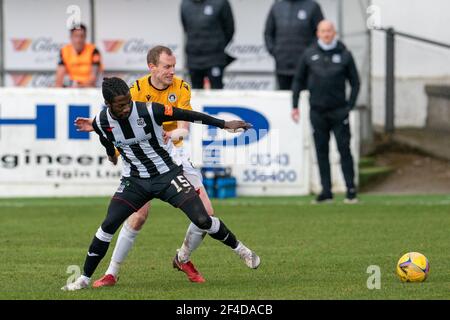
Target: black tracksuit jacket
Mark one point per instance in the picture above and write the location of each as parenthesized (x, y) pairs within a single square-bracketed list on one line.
[(324, 74)]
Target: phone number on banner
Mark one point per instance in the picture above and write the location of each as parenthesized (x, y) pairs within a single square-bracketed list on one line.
[(274, 176)]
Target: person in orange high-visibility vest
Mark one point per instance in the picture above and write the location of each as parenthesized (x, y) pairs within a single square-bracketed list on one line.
[(79, 61)]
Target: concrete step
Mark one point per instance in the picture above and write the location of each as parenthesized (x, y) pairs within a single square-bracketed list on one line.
[(365, 162), (370, 175), (435, 143)]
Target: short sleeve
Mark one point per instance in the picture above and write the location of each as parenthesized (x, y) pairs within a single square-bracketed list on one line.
[(185, 96)]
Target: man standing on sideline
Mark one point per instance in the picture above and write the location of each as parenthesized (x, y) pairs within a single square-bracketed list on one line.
[(290, 28), (79, 61), (323, 70), (209, 28)]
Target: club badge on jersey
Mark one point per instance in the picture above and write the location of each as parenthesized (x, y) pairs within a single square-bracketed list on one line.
[(140, 122), (336, 58), (302, 15), (208, 11), (172, 97)]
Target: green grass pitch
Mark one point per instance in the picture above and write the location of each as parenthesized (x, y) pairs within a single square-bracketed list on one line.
[(307, 251)]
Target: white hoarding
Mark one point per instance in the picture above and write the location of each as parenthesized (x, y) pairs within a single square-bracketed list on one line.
[(250, 81), (42, 154), (269, 159), (29, 79), (36, 30), (127, 29)]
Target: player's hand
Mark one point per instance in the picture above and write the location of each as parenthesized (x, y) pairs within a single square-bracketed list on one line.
[(178, 134), (237, 126), (295, 114), (83, 124), (166, 137), (113, 159)]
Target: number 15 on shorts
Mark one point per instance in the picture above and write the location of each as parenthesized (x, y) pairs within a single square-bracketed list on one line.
[(180, 182)]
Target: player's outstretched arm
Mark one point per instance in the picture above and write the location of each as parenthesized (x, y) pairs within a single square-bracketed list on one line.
[(168, 113), (84, 124), (237, 126)]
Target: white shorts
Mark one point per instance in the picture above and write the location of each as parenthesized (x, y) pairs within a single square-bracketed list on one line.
[(181, 157)]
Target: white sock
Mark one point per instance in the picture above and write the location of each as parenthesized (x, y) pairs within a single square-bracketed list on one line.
[(192, 240), (85, 279), (124, 244), (240, 247)]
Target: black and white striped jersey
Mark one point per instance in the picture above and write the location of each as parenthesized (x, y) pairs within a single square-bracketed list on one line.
[(139, 138)]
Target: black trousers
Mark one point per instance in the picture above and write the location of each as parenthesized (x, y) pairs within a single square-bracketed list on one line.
[(214, 75), (284, 81), (323, 123)]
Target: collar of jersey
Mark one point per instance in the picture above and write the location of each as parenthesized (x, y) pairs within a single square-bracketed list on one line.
[(150, 83)]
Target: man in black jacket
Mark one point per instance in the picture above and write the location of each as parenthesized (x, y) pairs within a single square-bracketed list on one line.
[(290, 28), (323, 70), (209, 27)]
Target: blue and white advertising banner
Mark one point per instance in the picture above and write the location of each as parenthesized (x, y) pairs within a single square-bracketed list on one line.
[(42, 153), (268, 159)]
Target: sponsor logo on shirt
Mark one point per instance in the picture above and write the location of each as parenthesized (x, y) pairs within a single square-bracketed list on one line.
[(302, 15), (209, 10), (336, 58)]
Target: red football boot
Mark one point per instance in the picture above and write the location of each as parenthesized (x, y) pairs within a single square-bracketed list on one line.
[(188, 268), (108, 280)]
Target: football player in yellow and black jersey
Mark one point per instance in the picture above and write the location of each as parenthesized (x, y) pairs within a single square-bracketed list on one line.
[(162, 86)]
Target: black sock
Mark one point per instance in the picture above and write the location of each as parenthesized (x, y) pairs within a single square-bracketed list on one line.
[(225, 235), (97, 251)]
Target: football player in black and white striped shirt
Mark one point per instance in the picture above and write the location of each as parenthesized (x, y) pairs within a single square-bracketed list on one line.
[(148, 171)]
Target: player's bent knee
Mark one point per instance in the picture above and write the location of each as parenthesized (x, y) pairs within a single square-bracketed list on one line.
[(203, 222), (196, 212), (110, 226), (214, 226)]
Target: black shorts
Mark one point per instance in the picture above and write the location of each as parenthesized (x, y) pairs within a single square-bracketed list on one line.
[(171, 187)]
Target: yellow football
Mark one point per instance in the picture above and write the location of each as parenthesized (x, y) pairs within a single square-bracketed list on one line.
[(413, 267)]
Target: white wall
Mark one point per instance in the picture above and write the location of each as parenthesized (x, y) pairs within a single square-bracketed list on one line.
[(417, 64)]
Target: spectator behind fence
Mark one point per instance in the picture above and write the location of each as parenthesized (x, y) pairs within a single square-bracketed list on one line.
[(323, 70), (290, 28), (79, 63), (209, 28)]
